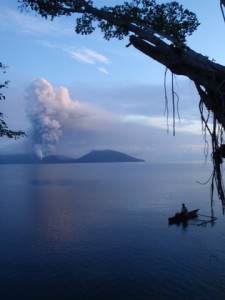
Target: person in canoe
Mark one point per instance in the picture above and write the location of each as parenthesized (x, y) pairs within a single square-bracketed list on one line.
[(184, 209)]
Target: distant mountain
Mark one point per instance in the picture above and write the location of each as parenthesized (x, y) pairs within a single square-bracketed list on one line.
[(57, 159), (96, 156), (28, 158), (31, 158), (100, 156)]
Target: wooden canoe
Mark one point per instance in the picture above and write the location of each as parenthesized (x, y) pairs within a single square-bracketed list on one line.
[(179, 217)]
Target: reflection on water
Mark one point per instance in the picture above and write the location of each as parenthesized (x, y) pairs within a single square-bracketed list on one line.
[(101, 232)]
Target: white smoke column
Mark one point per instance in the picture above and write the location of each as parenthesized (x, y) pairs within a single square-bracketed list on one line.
[(38, 151), (46, 128), (52, 112)]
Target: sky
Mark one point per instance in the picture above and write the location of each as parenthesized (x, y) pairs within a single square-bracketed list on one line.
[(72, 94)]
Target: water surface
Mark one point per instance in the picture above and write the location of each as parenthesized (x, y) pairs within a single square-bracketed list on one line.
[(100, 231)]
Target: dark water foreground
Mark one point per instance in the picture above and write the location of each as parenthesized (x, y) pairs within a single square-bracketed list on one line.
[(101, 232)]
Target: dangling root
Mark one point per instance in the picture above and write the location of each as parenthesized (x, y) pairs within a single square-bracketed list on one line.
[(216, 134), (175, 102), (217, 158), (218, 151)]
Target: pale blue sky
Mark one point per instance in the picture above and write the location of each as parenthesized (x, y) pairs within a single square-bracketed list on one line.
[(111, 96)]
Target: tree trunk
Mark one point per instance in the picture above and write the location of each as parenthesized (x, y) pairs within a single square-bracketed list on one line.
[(208, 76)]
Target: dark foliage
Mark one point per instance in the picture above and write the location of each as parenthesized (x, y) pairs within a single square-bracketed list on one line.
[(4, 130), (170, 20)]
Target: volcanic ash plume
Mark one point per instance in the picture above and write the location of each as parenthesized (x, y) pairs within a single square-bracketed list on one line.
[(52, 112), (46, 127)]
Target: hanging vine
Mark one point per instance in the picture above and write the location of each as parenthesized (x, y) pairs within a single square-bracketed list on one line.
[(175, 102), (218, 148), (210, 126)]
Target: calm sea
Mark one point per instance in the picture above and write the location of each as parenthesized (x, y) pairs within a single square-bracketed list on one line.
[(100, 231)]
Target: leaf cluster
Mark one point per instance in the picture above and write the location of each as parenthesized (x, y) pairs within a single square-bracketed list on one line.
[(5, 83), (53, 8), (4, 130), (168, 20), (45, 8)]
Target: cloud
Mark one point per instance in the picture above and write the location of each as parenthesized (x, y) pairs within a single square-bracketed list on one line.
[(144, 104), (181, 126), (52, 112), (96, 56), (84, 55), (60, 123), (102, 70), (47, 44), (87, 55), (23, 23), (142, 99)]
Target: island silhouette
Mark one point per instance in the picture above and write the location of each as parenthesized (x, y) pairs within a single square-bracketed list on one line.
[(95, 156)]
